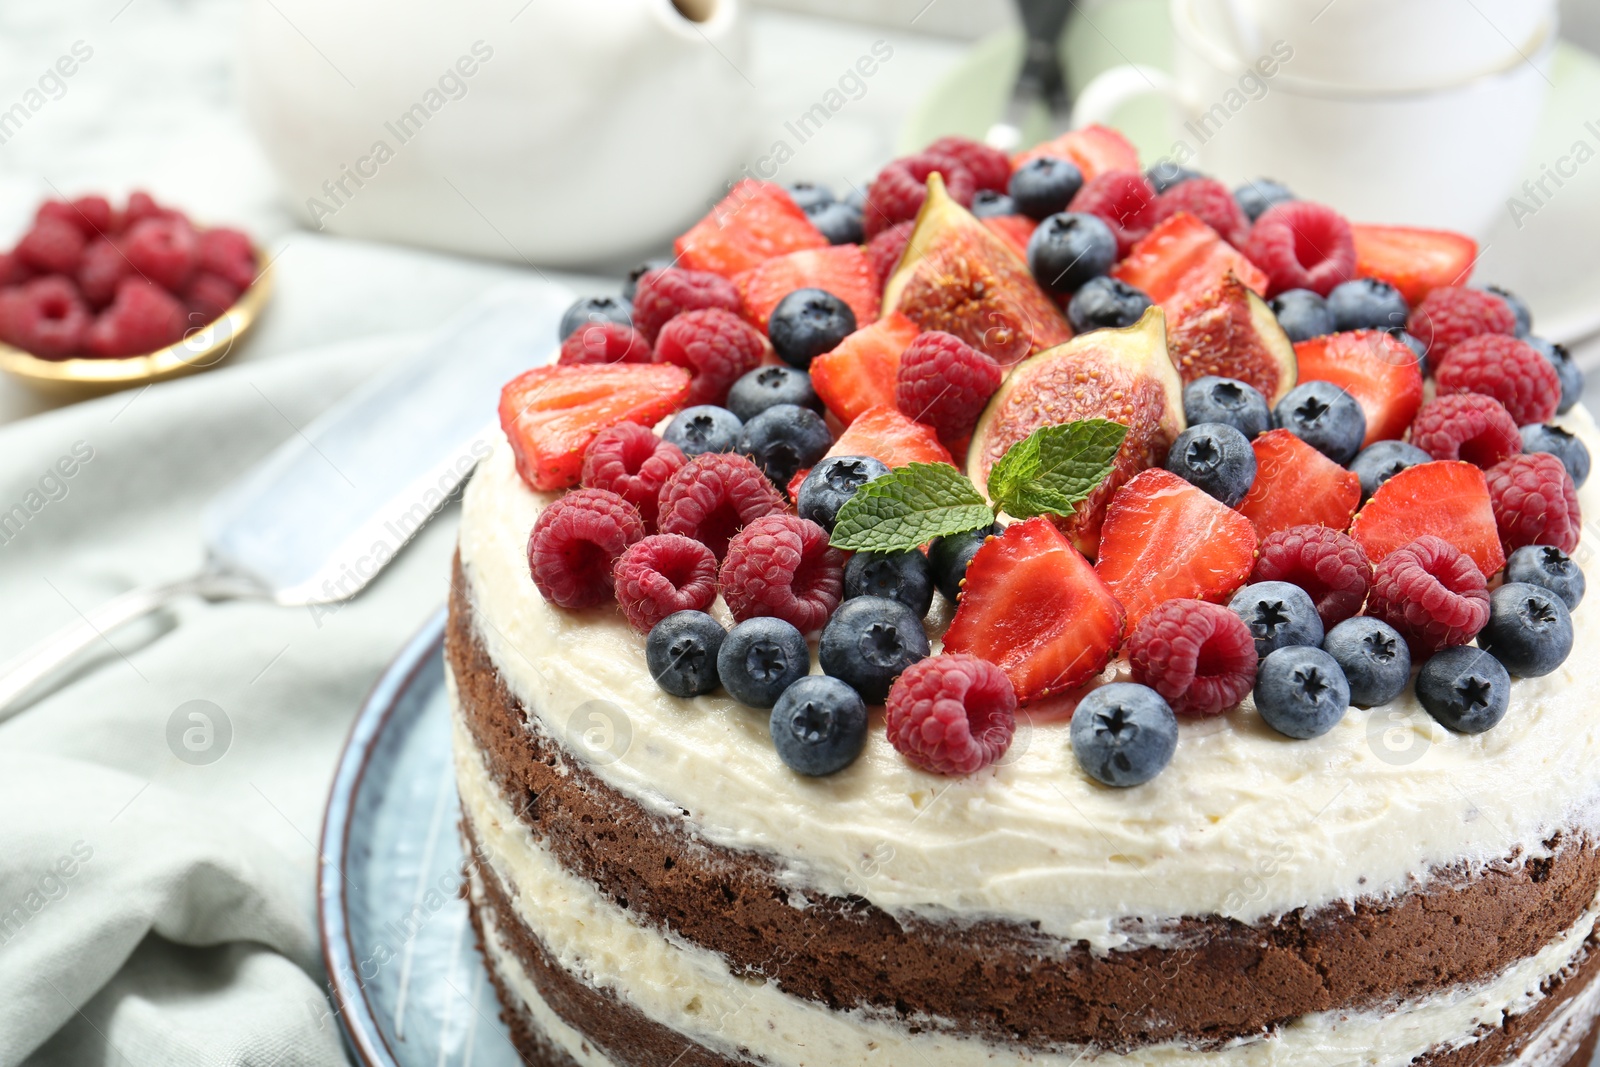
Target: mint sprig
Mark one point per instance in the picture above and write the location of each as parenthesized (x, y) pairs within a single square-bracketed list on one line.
[(1055, 468)]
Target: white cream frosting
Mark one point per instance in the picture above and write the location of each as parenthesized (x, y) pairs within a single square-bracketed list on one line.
[(1245, 823)]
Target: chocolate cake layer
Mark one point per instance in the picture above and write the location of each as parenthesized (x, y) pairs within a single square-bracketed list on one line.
[(1218, 979)]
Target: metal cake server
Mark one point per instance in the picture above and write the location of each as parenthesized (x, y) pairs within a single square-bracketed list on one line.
[(323, 513)]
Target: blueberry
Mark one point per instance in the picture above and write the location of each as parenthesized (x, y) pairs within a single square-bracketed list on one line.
[(1367, 304), (1165, 174), (1301, 692), (1044, 185), (1228, 401), (1254, 197), (1550, 568), (1325, 417), (1416, 345), (760, 658), (903, 576), (949, 556), (1123, 734), (831, 483), (840, 223), (1070, 248), (819, 725), (1302, 314), (767, 387), (988, 204), (1529, 630), (1518, 306), (595, 309), (1382, 460), (632, 284), (784, 438), (1567, 370), (857, 196), (808, 195), (869, 641), (681, 653), (704, 428), (1279, 615), (1560, 443), (1215, 457), (1374, 658), (807, 323), (1465, 689), (1106, 303)]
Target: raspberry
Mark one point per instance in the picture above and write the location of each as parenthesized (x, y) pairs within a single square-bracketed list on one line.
[(1535, 502), (629, 460), (1467, 426), (712, 496), (53, 246), (46, 317), (714, 345), (142, 318), (662, 574), (207, 296), (952, 713), (12, 270), (91, 215), (142, 205), (945, 383), (604, 342), (575, 542), (164, 250), (1302, 245), (900, 188), (1209, 201), (1200, 657), (666, 291), (1451, 314), (781, 566), (228, 253), (1511, 371), (884, 251), (1432, 593), (989, 167), (103, 265), (1125, 200), (1330, 566)]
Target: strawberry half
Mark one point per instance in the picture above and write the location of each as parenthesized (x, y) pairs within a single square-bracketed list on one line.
[(1181, 260), (842, 270), (1093, 149), (755, 222), (1014, 230), (1414, 261), (1446, 498), (551, 414), (1165, 539), (1035, 608), (1379, 370), (1298, 486), (890, 437), (860, 371)]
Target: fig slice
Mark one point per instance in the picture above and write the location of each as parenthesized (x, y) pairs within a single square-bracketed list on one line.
[(1229, 331)]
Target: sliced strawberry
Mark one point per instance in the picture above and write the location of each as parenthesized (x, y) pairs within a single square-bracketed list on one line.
[(859, 373), (1095, 150), (842, 270), (1446, 498), (890, 437), (1181, 260), (1414, 261), (753, 223), (1035, 608), (1379, 370), (1298, 486), (1014, 230), (1165, 539), (550, 414)]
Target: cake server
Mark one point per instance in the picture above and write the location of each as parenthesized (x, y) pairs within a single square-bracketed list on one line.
[(321, 515)]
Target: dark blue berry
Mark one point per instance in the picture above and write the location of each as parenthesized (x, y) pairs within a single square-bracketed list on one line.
[(704, 428), (1228, 401), (1567, 370), (903, 576), (760, 658), (681, 653), (1367, 304), (807, 323), (632, 283), (949, 556), (783, 439), (767, 387), (1416, 346), (989, 204), (1325, 417), (1562, 444), (1123, 734), (1465, 689), (819, 725), (1165, 174), (869, 641), (1374, 658), (857, 196), (1518, 306), (839, 222), (1382, 460), (808, 195), (1215, 457), (1106, 303), (595, 309), (1044, 185), (1279, 615), (1301, 692), (1070, 248), (1254, 197), (831, 483), (1550, 568), (1529, 630), (1302, 314)]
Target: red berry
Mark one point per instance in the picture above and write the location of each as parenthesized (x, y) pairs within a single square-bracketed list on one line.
[(208, 296), (142, 318), (1446, 498), (716, 346), (1511, 371), (900, 188), (662, 293), (13, 271), (1467, 426), (661, 574), (713, 496), (53, 246), (604, 342), (1209, 201), (781, 565), (576, 541), (164, 250), (1200, 657), (1125, 200), (989, 167), (889, 437), (102, 267), (631, 461), (754, 222), (842, 270), (1535, 502), (1302, 245), (46, 317), (228, 253), (951, 714), (884, 250), (1297, 486), (1414, 261), (90, 215), (1330, 566), (945, 382), (1452, 314), (1432, 593), (142, 205)]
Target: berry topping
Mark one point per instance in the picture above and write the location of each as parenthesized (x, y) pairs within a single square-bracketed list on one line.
[(859, 373), (1511, 371), (1301, 692), (1278, 615), (206, 296), (1070, 249), (1255, 197), (1124, 201), (1448, 499), (1454, 313), (594, 311), (1296, 486), (45, 317), (1567, 370), (716, 346), (632, 462), (903, 576), (604, 342), (1549, 568), (1200, 657), (1519, 307), (663, 574), (704, 428), (228, 253), (951, 714), (808, 322), (760, 658), (1535, 503), (1228, 401), (1330, 566), (1302, 314), (1209, 201), (839, 222), (1367, 304), (681, 653), (988, 204), (575, 542), (668, 291), (1375, 368), (1106, 303), (832, 482), (843, 271), (1302, 245), (753, 223), (143, 317), (1374, 658), (102, 267), (884, 250), (1094, 149), (949, 556), (1044, 185), (713, 496), (869, 641), (769, 386), (1215, 457), (891, 438), (819, 726), (52, 246), (989, 167), (1432, 593), (166, 251), (1529, 630), (1414, 261), (1468, 426), (900, 188), (1123, 734), (783, 439), (781, 566), (944, 382), (1465, 689), (1165, 174), (1562, 444), (1182, 260), (808, 195)]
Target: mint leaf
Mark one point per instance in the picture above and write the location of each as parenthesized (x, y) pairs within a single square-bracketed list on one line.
[(909, 507), (1055, 468)]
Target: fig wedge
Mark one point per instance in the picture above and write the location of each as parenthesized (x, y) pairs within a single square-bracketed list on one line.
[(1229, 331)]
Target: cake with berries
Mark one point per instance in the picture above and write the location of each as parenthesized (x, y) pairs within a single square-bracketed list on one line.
[(1042, 611)]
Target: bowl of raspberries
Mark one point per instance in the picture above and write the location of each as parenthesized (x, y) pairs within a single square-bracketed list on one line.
[(94, 295)]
